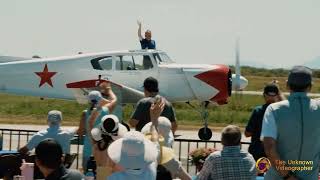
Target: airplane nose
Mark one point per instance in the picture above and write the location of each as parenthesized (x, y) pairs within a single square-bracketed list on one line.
[(219, 78), (243, 82), (239, 84)]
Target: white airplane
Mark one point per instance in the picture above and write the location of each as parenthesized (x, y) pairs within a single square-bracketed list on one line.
[(72, 77)]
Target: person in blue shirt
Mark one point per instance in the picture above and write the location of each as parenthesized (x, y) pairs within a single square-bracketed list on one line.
[(146, 42), (54, 131), (290, 131), (99, 107)]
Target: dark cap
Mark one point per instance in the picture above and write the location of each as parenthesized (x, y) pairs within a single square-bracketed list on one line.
[(300, 76), (49, 152), (151, 84), (271, 89)]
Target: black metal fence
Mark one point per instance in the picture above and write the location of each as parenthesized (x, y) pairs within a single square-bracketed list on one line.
[(13, 139)]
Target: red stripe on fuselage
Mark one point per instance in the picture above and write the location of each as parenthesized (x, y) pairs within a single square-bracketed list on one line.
[(88, 83)]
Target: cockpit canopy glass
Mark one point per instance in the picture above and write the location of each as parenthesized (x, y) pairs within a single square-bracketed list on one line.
[(162, 58)]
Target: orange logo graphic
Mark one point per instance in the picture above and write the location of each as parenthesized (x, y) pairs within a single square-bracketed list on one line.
[(263, 165)]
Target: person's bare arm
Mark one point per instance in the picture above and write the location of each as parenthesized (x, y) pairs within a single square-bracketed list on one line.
[(183, 174), (23, 150), (172, 118), (139, 30), (174, 126), (133, 122), (270, 147), (92, 119), (82, 126), (155, 111), (247, 134), (111, 103)]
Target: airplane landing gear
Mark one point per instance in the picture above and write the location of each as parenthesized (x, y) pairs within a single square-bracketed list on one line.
[(204, 133)]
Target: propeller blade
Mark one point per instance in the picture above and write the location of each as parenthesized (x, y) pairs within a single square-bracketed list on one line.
[(237, 67)]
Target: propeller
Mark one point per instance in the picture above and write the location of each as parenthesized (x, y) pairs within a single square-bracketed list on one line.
[(238, 82), (237, 67)]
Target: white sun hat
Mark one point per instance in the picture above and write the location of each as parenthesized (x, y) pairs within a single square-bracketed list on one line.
[(111, 126), (133, 151), (164, 128)]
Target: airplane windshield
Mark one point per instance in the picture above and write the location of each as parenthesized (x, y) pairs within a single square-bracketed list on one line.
[(162, 58)]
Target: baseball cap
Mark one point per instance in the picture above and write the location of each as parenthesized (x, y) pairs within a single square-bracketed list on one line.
[(271, 89), (300, 76), (151, 84), (111, 126), (94, 96), (54, 116), (133, 151)]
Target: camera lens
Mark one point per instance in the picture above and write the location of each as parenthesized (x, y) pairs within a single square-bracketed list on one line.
[(109, 125)]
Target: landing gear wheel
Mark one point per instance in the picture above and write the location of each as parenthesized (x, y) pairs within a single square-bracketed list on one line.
[(205, 134)]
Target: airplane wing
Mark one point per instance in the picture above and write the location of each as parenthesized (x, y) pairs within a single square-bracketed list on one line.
[(124, 93), (285, 93), (5, 59)]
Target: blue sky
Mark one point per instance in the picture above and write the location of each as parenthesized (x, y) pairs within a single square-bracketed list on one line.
[(275, 33)]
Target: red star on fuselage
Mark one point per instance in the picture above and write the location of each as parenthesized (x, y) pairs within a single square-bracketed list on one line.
[(45, 76)]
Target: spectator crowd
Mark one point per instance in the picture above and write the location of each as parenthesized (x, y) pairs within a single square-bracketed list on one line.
[(280, 130)]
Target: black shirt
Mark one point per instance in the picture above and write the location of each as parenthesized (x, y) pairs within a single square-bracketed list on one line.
[(142, 112), (147, 44), (254, 126), (65, 174)]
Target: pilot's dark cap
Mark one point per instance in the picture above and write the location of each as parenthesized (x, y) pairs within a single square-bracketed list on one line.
[(300, 76), (151, 84)]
